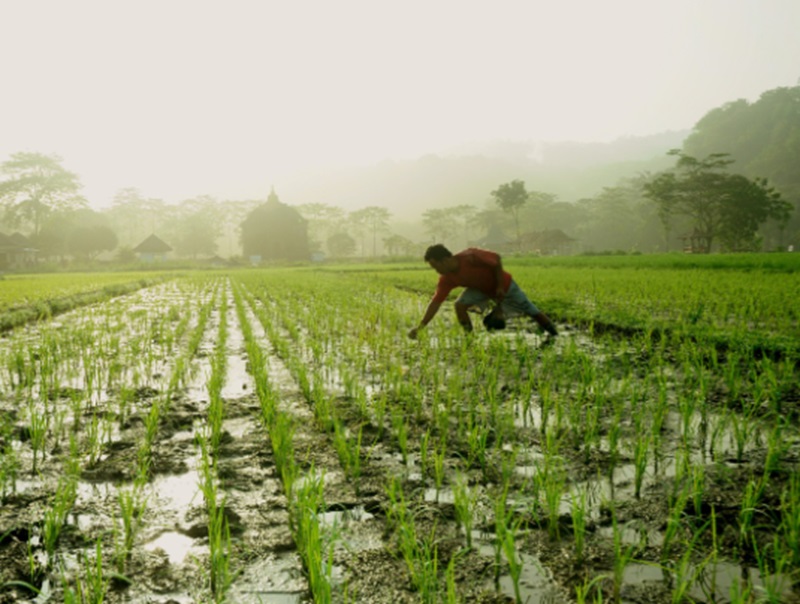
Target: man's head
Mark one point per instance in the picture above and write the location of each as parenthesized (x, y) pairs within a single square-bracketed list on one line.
[(439, 257)]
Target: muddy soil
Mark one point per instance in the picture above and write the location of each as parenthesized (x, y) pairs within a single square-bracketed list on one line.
[(169, 562)]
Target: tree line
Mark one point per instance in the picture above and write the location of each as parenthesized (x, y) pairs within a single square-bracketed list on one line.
[(733, 187)]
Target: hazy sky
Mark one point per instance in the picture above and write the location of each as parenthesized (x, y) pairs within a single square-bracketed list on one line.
[(188, 97)]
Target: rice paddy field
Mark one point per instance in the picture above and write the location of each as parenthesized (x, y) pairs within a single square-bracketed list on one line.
[(273, 436)]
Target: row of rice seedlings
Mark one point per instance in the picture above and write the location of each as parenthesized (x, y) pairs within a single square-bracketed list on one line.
[(419, 552), (220, 573), (348, 446), (131, 499), (590, 430), (421, 560), (304, 493), (48, 374)]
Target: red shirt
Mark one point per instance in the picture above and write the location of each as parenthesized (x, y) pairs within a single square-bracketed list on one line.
[(476, 269)]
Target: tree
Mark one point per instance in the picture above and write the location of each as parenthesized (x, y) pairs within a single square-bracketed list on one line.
[(91, 240), (722, 206), (135, 217), (197, 225), (399, 245), (37, 185), (764, 139), (374, 219), (341, 245), (323, 220), (511, 197), (439, 224)]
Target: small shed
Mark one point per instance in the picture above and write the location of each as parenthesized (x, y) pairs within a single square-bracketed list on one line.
[(16, 252), (152, 249)]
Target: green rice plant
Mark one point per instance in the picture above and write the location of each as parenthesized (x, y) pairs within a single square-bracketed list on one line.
[(687, 570), (513, 559), (317, 555), (745, 429), (220, 575), (56, 515), (419, 555), (477, 438), (674, 519), (790, 517), (641, 447), (465, 501), (38, 433), (774, 565), (777, 447), (426, 569), (132, 505), (698, 489), (439, 458), (424, 453), (578, 512), (588, 587), (349, 451), (622, 557), (451, 595), (753, 493), (96, 582), (551, 478), (400, 429), (93, 440), (614, 432), (9, 461)]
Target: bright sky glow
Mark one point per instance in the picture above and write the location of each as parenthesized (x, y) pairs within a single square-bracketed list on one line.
[(187, 97)]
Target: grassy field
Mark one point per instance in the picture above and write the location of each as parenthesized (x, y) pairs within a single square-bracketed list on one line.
[(273, 435)]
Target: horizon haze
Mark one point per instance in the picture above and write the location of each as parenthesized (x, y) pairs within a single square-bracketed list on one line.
[(185, 98)]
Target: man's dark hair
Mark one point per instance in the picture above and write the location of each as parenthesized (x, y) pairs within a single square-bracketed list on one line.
[(437, 252)]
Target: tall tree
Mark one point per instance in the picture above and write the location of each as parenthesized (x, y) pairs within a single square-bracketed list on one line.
[(197, 225), (439, 224), (36, 185), (373, 219), (721, 205), (323, 220), (511, 197), (764, 139)]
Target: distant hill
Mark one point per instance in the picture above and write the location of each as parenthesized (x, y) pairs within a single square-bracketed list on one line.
[(468, 174)]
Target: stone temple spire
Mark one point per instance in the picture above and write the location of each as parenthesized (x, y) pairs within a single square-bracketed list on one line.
[(273, 197)]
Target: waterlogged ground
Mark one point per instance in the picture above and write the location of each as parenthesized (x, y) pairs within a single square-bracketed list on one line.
[(623, 557)]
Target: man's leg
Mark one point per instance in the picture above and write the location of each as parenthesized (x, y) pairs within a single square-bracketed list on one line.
[(517, 300), (544, 321), (463, 316), (468, 298)]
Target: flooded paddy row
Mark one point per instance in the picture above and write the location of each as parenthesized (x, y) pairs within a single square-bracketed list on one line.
[(261, 440)]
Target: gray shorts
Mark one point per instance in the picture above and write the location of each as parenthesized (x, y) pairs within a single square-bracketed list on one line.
[(515, 302)]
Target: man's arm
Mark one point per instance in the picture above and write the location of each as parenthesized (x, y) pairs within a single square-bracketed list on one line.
[(498, 278), (430, 313)]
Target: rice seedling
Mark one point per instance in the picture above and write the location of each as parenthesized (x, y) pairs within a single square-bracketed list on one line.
[(132, 504), (513, 559), (38, 433), (56, 515), (622, 557), (551, 480), (584, 590), (349, 451), (316, 550), (641, 447), (753, 493), (674, 519), (465, 501), (578, 513)]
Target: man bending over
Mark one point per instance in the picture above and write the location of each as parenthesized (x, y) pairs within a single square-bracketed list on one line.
[(481, 273)]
